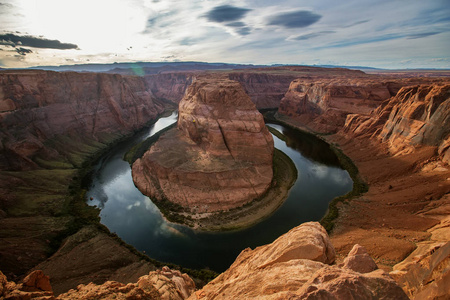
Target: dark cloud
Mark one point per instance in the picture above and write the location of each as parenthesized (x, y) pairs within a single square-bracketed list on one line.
[(35, 42), (296, 19), (240, 27), (226, 13), (312, 35), (23, 51), (422, 35)]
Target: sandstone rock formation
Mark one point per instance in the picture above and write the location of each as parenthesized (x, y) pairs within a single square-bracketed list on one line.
[(266, 89), (38, 107), (297, 266), (164, 284), (219, 157), (34, 285), (425, 273), (416, 116), (325, 103), (170, 86)]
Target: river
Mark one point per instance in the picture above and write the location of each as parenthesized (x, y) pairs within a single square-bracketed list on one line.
[(137, 221)]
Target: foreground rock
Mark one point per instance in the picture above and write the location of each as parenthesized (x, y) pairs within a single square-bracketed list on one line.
[(297, 266), (219, 157), (165, 284)]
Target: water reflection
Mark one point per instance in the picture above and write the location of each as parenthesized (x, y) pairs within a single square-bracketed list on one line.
[(308, 145), (134, 217)]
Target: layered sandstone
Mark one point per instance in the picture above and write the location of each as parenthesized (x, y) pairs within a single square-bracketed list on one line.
[(265, 89), (323, 103), (169, 87), (416, 116), (218, 158), (164, 284), (38, 106), (298, 266)]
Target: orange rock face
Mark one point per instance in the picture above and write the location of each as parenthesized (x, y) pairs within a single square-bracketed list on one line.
[(325, 103), (219, 157), (297, 266), (417, 115)]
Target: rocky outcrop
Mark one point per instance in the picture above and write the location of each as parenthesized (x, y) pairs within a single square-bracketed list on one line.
[(39, 106), (219, 157), (324, 103), (34, 285), (425, 273), (164, 284), (417, 115), (297, 266)]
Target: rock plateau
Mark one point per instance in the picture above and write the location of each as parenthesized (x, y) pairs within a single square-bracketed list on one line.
[(219, 157)]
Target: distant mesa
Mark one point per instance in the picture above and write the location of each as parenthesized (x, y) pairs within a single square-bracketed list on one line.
[(219, 157)]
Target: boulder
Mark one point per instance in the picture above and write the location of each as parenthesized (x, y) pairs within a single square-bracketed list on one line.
[(359, 260)]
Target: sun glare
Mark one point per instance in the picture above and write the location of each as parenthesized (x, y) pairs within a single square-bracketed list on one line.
[(95, 26)]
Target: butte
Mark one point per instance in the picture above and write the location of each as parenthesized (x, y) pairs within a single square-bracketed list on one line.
[(219, 157)]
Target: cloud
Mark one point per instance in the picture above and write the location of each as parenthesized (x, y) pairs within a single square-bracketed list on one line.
[(35, 42), (240, 27), (226, 13), (296, 19), (422, 35), (356, 23), (308, 36), (23, 51)]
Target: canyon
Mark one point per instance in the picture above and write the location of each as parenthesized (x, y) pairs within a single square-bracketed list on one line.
[(393, 127)]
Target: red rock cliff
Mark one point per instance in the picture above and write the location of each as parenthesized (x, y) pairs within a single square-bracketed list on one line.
[(266, 90), (220, 157), (37, 106), (325, 103), (417, 115)]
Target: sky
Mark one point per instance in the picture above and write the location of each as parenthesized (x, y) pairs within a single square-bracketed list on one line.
[(392, 34)]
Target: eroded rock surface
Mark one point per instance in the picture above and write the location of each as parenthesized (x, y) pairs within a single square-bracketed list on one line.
[(219, 157), (164, 284), (37, 107), (297, 266), (322, 104), (416, 116)]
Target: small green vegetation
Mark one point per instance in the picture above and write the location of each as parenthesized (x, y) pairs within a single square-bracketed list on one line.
[(359, 187)]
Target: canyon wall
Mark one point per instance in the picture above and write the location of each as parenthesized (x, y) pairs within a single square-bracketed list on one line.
[(266, 90), (37, 107), (416, 116), (218, 158), (169, 87), (323, 103)]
